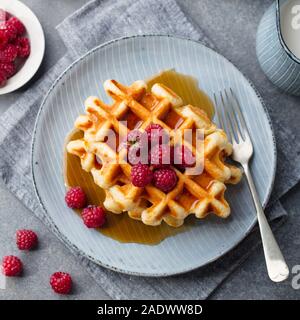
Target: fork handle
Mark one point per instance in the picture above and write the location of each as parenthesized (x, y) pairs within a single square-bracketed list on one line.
[(276, 265)]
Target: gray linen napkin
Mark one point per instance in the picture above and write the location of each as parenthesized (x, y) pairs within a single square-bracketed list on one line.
[(96, 22)]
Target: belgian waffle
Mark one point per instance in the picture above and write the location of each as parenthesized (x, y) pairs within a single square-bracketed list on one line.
[(194, 194)]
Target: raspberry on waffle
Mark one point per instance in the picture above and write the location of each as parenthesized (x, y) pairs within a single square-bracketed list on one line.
[(197, 194)]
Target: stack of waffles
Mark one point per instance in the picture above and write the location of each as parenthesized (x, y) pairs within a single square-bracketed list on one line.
[(137, 106)]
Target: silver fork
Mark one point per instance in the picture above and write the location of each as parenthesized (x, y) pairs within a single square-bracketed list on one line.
[(232, 121)]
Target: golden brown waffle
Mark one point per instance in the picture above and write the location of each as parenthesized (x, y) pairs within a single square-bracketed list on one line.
[(194, 194)]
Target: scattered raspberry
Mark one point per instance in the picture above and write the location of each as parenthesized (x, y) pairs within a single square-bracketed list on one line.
[(11, 266), (23, 47), (3, 78), (141, 175), (75, 198), (26, 239), (8, 69), (161, 156), (10, 30), (61, 282), (17, 24), (3, 15), (156, 133), (93, 217), (165, 179), (3, 39), (183, 157), (9, 54)]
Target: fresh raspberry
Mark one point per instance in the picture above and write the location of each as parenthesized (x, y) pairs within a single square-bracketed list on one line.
[(75, 198), (23, 47), (3, 15), (93, 217), (9, 54), (141, 175), (3, 39), (138, 154), (183, 157), (19, 26), (3, 78), (10, 30), (134, 154), (137, 147), (61, 282), (26, 239), (165, 179), (11, 266), (134, 136), (156, 133), (161, 156), (8, 69)]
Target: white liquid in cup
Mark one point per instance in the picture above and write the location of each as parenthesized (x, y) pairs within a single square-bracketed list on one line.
[(290, 25)]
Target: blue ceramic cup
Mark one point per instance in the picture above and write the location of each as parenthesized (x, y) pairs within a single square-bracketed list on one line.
[(277, 61)]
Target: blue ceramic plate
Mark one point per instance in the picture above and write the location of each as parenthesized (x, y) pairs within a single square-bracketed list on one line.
[(126, 60)]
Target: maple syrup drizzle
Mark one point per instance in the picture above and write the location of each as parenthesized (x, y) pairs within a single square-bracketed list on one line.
[(186, 87), (120, 226)]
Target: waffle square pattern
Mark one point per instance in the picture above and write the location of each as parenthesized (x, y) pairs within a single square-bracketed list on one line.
[(137, 106)]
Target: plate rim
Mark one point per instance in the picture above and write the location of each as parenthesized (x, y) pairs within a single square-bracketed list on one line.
[(64, 237)]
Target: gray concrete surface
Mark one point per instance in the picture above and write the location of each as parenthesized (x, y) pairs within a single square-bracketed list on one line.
[(231, 24)]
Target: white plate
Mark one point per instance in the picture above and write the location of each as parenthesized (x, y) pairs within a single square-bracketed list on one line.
[(37, 42), (126, 60)]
